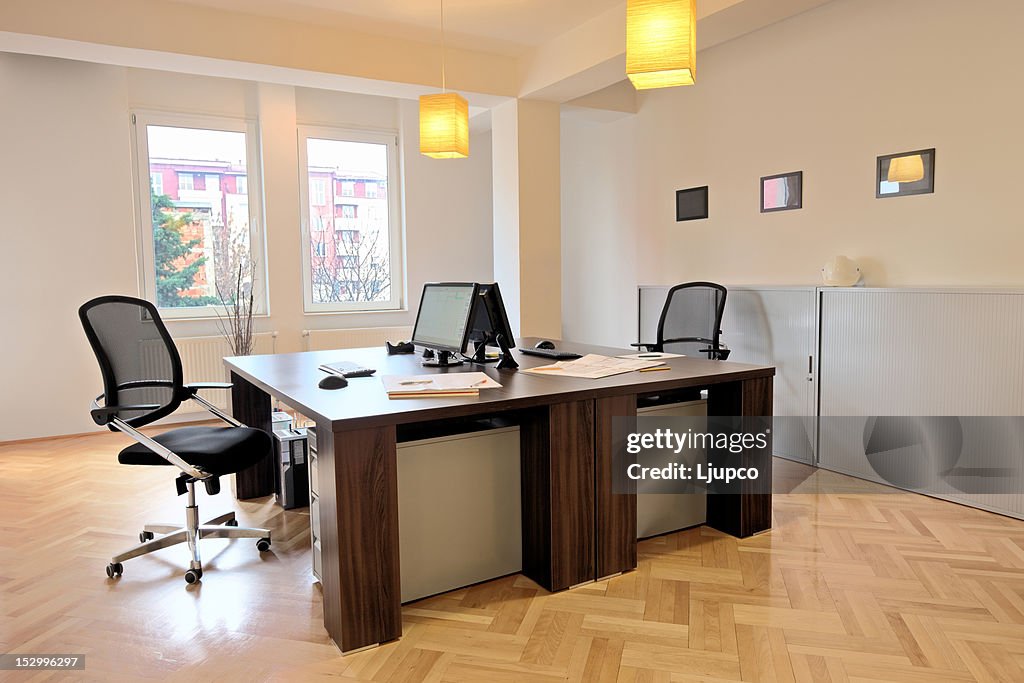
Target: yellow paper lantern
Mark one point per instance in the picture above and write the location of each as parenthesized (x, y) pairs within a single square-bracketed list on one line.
[(907, 169), (661, 43), (444, 126)]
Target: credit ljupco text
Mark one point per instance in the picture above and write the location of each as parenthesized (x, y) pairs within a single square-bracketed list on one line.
[(669, 440)]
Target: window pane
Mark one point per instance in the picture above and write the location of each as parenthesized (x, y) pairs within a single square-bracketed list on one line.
[(349, 222), (200, 223)]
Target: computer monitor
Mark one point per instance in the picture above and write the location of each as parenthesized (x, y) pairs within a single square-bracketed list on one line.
[(488, 322), (442, 322)]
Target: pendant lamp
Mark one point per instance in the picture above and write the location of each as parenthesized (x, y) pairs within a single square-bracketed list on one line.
[(444, 118), (661, 47)]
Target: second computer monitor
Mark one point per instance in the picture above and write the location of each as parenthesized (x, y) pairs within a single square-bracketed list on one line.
[(489, 318)]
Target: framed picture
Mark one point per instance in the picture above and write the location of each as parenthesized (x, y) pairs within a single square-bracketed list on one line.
[(907, 173), (782, 192), (692, 204)]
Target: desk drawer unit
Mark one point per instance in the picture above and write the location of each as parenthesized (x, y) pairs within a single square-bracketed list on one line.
[(459, 511), (662, 513)]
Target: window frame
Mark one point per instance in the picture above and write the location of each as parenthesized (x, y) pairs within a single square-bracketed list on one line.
[(396, 227), (140, 119)]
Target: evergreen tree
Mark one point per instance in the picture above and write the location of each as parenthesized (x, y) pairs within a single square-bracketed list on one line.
[(169, 247)]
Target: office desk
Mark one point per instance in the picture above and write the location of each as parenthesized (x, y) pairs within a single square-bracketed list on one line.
[(575, 529)]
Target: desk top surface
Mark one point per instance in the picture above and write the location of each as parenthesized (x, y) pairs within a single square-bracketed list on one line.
[(293, 378)]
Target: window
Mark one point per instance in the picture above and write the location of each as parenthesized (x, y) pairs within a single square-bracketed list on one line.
[(156, 183), (365, 273), (371, 190), (193, 245), (317, 191)]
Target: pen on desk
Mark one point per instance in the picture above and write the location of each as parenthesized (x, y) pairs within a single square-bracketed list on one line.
[(478, 384), (648, 355), (416, 381), (660, 367)]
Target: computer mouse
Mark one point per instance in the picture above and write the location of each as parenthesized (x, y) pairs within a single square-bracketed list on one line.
[(544, 344), (333, 382)]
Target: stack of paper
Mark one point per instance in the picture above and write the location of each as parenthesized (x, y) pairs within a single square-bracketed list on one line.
[(451, 384), (593, 366)]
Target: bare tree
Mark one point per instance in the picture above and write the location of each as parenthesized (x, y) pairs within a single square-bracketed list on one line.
[(234, 280), (357, 270)]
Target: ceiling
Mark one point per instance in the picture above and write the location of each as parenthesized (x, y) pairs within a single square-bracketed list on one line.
[(509, 27)]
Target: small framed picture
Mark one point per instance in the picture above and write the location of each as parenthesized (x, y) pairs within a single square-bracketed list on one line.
[(692, 204), (782, 192), (899, 175)]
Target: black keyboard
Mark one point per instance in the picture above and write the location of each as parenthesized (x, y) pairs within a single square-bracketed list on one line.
[(551, 353)]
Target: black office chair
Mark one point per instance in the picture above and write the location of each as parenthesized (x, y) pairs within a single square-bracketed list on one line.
[(142, 382), (691, 321)]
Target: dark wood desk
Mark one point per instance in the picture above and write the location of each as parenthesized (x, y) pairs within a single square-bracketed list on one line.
[(575, 530)]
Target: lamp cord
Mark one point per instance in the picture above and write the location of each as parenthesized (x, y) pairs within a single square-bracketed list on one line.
[(443, 79)]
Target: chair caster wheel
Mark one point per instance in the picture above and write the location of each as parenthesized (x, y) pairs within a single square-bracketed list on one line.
[(231, 522), (145, 536), (193, 575), (263, 545), (114, 570)]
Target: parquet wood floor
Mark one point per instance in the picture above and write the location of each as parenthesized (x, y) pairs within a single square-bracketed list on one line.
[(853, 586)]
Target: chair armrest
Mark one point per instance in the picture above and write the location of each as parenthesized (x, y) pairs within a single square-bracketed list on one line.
[(197, 386), (106, 414)]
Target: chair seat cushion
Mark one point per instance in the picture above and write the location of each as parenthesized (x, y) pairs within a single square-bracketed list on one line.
[(217, 450)]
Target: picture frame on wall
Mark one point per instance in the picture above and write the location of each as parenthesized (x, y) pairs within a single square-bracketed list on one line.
[(692, 204), (782, 192), (906, 173)]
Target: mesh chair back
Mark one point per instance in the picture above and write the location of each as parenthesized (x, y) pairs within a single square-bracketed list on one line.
[(138, 360), (691, 320)]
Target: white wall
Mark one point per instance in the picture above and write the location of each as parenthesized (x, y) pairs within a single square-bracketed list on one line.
[(824, 92), (68, 229)]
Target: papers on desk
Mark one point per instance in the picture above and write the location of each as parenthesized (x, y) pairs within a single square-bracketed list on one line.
[(593, 366), (450, 384), (652, 355)]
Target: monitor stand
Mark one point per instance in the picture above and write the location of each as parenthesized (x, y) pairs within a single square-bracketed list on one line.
[(442, 359), (508, 361)]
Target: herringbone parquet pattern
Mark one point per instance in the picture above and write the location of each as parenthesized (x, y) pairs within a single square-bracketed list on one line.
[(858, 586)]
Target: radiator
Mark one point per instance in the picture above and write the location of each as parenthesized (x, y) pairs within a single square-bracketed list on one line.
[(324, 340), (202, 360)]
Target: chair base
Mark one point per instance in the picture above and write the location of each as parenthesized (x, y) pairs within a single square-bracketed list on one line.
[(223, 526)]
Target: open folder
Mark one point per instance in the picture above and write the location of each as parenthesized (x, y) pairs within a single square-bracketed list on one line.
[(449, 384)]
